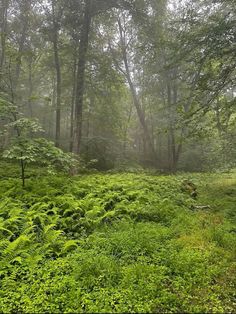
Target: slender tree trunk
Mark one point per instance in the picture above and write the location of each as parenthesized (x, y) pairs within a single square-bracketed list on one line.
[(140, 113), (177, 147), (72, 111), (30, 88), (171, 135), (126, 131), (136, 102), (3, 31), (177, 156), (22, 164), (58, 98), (83, 48), (25, 10), (218, 122), (72, 122), (174, 148), (58, 75), (51, 114)]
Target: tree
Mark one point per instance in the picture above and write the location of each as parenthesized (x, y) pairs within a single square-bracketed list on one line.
[(91, 9), (3, 31), (140, 112), (26, 149), (56, 16), (113, 79)]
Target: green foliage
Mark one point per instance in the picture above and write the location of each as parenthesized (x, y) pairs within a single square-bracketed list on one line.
[(117, 243), (26, 126), (7, 109), (26, 149), (39, 151)]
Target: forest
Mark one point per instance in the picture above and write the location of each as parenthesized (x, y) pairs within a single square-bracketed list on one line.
[(117, 156)]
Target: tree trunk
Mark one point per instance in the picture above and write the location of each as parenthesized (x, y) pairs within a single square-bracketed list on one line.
[(3, 31), (174, 149), (72, 111), (126, 131), (92, 8), (58, 75), (136, 102), (25, 10), (22, 165), (30, 88), (83, 48)]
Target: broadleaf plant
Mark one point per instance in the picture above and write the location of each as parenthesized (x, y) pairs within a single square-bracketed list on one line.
[(26, 147)]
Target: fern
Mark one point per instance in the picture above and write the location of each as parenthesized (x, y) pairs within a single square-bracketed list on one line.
[(3, 245), (69, 246), (5, 233), (15, 248), (14, 223), (51, 240)]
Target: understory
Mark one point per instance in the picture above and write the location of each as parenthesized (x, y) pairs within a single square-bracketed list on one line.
[(128, 242)]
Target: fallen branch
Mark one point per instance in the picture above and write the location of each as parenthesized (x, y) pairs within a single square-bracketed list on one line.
[(201, 207)]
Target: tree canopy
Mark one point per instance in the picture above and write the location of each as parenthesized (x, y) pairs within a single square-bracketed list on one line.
[(125, 81)]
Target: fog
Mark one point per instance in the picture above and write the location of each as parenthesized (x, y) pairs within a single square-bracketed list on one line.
[(123, 83)]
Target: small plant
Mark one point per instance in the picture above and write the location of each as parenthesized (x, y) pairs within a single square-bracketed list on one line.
[(26, 148)]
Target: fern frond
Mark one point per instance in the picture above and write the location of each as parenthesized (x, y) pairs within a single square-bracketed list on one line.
[(16, 247), (5, 233), (3, 245), (69, 246)]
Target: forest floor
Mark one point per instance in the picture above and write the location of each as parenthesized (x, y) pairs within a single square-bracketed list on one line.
[(117, 243)]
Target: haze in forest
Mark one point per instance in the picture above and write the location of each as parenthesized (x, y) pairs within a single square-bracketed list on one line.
[(123, 83)]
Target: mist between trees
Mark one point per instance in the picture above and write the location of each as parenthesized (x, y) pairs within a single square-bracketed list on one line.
[(124, 82)]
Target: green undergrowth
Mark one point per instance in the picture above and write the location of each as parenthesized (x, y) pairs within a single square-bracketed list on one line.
[(117, 243)]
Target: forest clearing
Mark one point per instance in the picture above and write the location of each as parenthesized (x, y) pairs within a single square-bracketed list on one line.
[(117, 243), (117, 156)]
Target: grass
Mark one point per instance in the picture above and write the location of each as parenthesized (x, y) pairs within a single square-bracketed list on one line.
[(117, 243)]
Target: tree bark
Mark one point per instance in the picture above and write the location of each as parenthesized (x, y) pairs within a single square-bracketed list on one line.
[(3, 31), (58, 75), (25, 10), (30, 88), (174, 149), (72, 110), (83, 48)]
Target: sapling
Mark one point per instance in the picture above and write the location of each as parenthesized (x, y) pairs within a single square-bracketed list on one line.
[(26, 147)]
